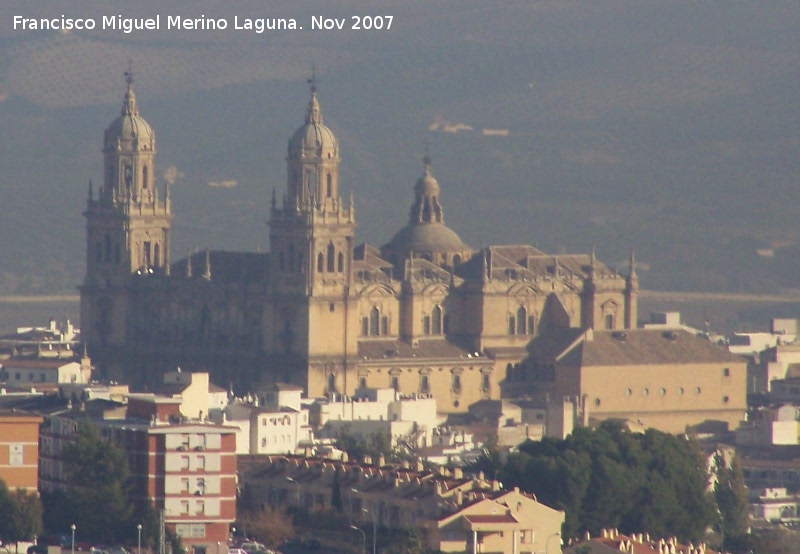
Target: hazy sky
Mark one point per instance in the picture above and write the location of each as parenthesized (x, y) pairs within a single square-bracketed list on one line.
[(671, 127)]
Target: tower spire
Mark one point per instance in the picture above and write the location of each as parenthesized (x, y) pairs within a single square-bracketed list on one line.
[(314, 115), (129, 103)]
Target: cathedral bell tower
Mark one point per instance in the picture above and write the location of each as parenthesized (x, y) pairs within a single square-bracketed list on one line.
[(127, 224), (312, 233)]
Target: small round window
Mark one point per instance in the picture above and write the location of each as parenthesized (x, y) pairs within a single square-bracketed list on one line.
[(697, 390), (680, 391), (726, 399), (596, 401), (628, 392), (645, 392), (663, 391)]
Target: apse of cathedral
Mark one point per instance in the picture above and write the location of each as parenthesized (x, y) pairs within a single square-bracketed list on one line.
[(423, 314)]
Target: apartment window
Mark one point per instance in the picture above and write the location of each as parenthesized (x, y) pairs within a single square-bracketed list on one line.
[(184, 462), (201, 462), (185, 485), (726, 372), (201, 508), (394, 382), (184, 506), (362, 382)]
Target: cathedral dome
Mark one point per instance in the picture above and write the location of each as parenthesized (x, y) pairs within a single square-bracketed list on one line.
[(313, 139), (129, 131), (426, 238), (426, 234)]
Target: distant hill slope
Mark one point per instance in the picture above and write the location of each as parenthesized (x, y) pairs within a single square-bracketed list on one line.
[(666, 127)]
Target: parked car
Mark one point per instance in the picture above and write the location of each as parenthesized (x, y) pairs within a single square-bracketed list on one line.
[(37, 549)]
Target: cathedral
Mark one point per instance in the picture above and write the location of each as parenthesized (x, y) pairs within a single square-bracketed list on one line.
[(423, 314)]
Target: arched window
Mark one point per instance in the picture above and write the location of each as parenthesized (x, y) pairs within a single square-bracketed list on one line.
[(436, 321), (331, 257), (329, 186), (609, 321), (320, 262), (145, 177), (157, 255), (424, 383), (340, 263), (522, 320), (331, 382), (374, 321)]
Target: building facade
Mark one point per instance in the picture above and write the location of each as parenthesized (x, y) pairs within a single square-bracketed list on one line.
[(424, 313), (19, 450)]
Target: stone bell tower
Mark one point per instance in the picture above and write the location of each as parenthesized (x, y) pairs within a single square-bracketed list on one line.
[(127, 224)]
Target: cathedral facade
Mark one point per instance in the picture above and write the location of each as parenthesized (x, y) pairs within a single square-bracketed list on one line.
[(423, 314)]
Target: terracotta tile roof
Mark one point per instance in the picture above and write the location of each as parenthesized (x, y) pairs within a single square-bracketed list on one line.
[(629, 347), (504, 518)]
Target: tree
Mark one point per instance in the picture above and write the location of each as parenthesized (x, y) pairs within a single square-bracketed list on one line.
[(271, 526), (22, 515), (336, 492), (610, 477), (99, 496), (730, 493)]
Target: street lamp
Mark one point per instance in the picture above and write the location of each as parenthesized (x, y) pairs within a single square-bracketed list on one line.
[(374, 530), (547, 542), (298, 489), (363, 538), (73, 537), (139, 540)]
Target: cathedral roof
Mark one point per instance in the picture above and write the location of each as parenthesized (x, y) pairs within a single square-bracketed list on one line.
[(225, 267), (129, 131), (313, 139), (421, 349)]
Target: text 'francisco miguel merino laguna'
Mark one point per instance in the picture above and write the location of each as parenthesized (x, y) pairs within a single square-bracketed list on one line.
[(202, 23)]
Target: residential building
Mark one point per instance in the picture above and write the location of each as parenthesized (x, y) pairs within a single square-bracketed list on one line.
[(612, 541), (44, 371), (451, 511), (669, 380), (19, 450), (186, 468)]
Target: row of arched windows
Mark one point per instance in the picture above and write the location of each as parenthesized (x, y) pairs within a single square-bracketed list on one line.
[(436, 323), (331, 261), (374, 324), (521, 323)]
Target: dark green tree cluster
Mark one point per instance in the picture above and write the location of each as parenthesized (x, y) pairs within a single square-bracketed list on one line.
[(99, 498), (358, 446), (609, 477), (20, 515)]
